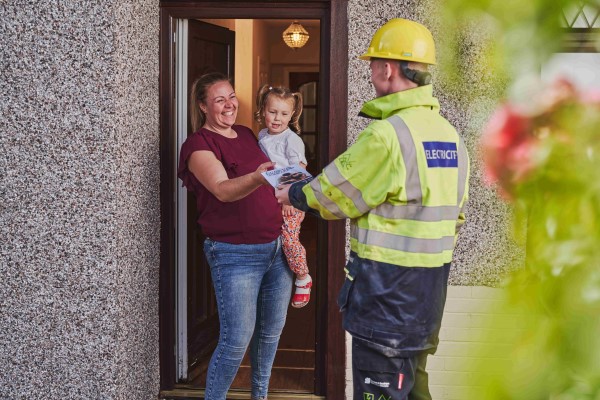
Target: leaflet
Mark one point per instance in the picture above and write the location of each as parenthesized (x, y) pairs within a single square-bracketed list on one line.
[(287, 175)]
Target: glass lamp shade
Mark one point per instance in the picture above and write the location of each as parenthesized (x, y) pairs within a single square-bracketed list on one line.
[(295, 36)]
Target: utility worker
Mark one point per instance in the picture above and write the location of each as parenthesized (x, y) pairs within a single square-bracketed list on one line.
[(404, 185)]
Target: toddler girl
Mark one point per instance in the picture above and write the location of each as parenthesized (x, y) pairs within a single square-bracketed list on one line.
[(280, 109)]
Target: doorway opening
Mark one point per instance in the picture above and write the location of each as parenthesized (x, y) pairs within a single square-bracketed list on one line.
[(251, 53), (310, 360)]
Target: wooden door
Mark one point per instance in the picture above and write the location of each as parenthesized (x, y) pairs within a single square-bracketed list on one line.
[(210, 49), (307, 83)]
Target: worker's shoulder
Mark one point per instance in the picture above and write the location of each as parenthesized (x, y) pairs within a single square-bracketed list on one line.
[(380, 127)]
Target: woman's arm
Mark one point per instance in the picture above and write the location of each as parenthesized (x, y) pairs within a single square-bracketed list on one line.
[(212, 175)]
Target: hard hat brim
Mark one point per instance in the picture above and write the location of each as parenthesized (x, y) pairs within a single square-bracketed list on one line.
[(369, 56)]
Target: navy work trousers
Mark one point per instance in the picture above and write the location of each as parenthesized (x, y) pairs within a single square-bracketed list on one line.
[(379, 377)]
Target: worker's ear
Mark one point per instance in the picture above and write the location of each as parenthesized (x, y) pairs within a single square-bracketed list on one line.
[(389, 69)]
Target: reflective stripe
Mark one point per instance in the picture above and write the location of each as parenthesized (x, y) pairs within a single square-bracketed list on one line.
[(417, 213), (347, 272), (403, 243), (325, 201), (409, 154), (351, 192), (462, 169)]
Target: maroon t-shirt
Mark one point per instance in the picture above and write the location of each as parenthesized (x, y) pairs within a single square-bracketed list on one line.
[(254, 219)]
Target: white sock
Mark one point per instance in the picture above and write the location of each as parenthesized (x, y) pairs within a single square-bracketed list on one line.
[(304, 281)]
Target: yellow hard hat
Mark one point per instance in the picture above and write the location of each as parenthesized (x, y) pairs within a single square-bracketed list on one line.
[(401, 39)]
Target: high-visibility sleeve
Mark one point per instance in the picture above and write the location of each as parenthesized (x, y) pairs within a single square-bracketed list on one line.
[(297, 198), (356, 181)]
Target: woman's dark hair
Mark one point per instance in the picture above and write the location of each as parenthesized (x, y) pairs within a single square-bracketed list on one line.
[(284, 94), (198, 95)]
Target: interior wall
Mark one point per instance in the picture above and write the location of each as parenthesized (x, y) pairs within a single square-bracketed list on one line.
[(285, 59), (244, 69)]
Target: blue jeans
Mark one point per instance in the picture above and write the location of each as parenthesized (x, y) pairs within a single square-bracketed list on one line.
[(253, 286)]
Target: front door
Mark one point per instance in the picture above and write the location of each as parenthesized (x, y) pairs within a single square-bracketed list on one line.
[(313, 361)]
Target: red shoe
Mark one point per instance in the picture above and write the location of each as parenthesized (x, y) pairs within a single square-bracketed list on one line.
[(301, 296)]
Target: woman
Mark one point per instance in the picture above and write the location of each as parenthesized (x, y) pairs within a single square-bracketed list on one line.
[(222, 164)]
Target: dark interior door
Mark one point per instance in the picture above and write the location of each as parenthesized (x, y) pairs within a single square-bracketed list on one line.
[(210, 48), (307, 83)]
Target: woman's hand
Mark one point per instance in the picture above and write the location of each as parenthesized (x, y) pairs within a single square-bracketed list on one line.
[(263, 168)]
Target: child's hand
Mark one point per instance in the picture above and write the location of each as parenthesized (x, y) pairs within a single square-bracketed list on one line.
[(287, 210), (281, 192)]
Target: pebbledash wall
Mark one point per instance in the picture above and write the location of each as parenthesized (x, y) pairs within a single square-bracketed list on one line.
[(79, 200)]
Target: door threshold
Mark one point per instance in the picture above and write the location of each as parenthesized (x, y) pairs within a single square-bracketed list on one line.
[(190, 393)]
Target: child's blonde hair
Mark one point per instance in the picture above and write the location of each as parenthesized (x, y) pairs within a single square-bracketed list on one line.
[(284, 94)]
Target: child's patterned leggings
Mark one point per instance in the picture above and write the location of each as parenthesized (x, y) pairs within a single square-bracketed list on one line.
[(292, 248)]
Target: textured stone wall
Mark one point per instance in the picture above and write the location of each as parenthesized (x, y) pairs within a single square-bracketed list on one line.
[(79, 199), (486, 249)]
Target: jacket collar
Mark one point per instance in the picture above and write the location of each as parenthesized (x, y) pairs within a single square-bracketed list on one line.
[(385, 106)]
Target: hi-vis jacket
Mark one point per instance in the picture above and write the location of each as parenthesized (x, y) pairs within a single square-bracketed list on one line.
[(403, 184)]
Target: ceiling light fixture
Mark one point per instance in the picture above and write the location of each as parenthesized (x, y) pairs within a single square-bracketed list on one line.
[(295, 36)]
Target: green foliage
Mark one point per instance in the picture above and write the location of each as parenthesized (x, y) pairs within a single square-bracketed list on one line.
[(555, 297), (559, 289)]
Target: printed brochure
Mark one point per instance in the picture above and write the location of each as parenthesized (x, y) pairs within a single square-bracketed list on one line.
[(287, 175)]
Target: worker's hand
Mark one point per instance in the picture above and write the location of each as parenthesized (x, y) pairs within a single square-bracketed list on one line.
[(282, 195)]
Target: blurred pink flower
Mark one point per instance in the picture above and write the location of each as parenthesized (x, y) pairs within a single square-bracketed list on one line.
[(514, 134), (507, 144)]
